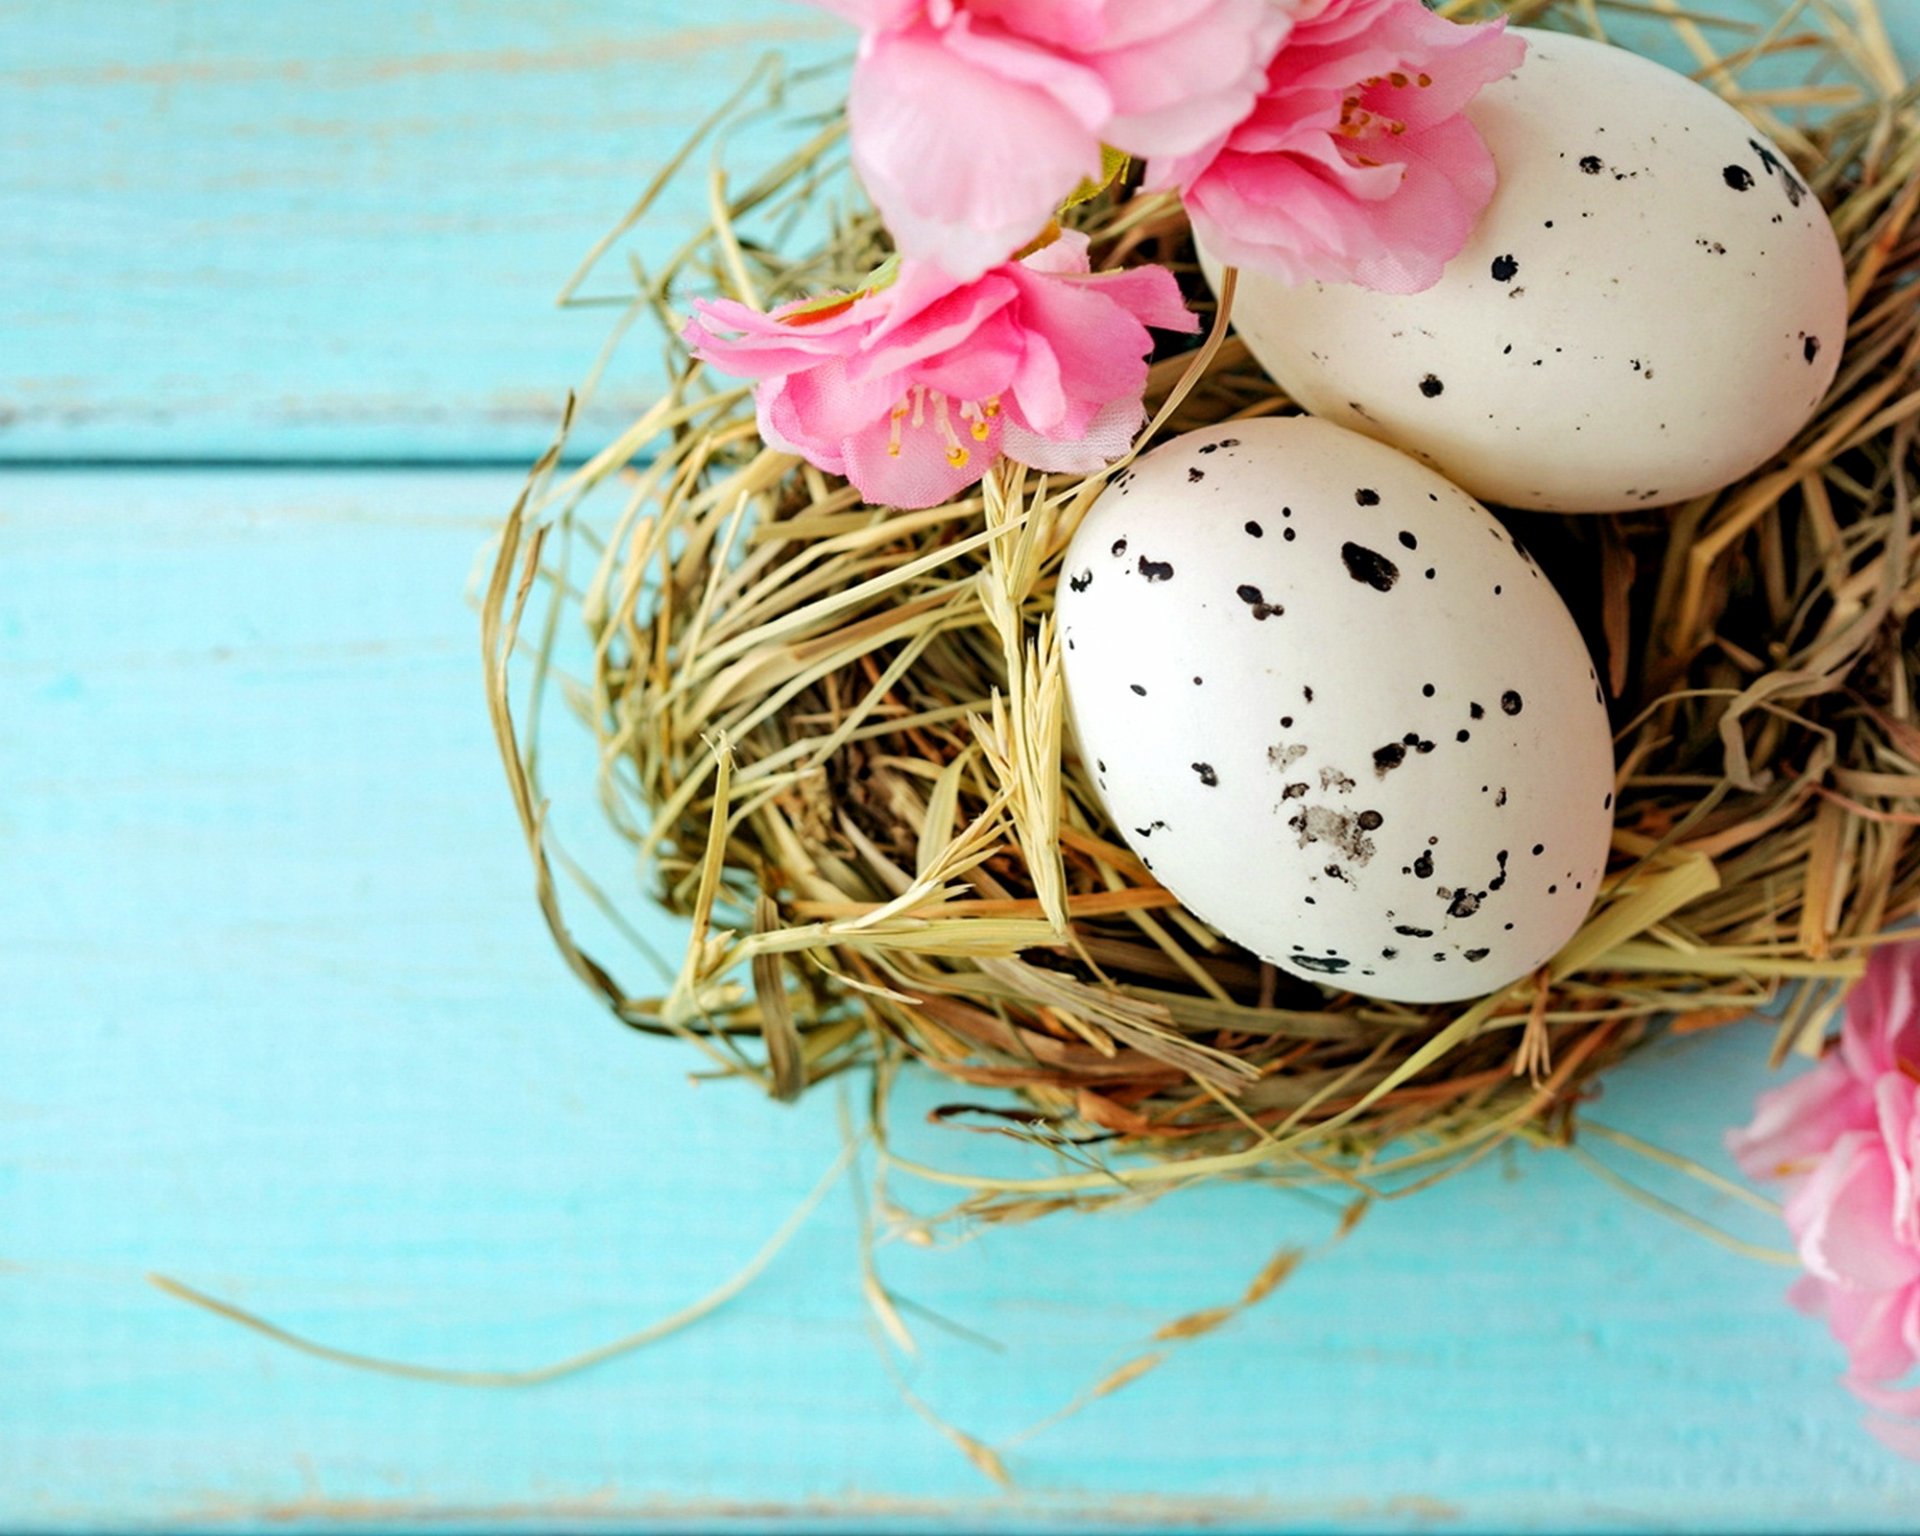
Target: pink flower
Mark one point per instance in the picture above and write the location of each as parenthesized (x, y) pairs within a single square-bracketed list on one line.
[(911, 389), (1846, 1138), (1357, 163), (972, 122)]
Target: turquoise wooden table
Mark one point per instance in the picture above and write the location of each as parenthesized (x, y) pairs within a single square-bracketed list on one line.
[(278, 1017)]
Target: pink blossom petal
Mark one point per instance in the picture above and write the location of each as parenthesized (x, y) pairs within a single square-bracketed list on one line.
[(964, 166), (980, 367), (1037, 393), (1883, 1012), (1808, 1294), (1186, 86), (835, 404), (1872, 1326), (1063, 256), (1894, 1097), (1102, 349), (1015, 59), (765, 349), (1448, 179), (1149, 294), (1904, 1401), (921, 474), (1356, 164), (1072, 25), (1794, 1124), (1842, 1218), (920, 323), (786, 428), (1102, 440)]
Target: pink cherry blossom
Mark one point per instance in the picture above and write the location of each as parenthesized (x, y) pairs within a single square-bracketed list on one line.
[(1846, 1139), (971, 122), (911, 389), (1357, 163)]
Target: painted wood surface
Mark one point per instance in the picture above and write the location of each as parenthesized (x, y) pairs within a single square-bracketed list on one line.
[(279, 1019), (277, 1016), (334, 229)]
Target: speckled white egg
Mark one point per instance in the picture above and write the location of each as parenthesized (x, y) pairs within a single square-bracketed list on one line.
[(1652, 305), (1337, 711)]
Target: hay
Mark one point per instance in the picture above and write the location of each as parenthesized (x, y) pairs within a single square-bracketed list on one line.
[(835, 735)]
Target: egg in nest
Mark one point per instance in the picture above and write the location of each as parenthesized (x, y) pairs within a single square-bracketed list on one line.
[(1337, 710), (1652, 305)]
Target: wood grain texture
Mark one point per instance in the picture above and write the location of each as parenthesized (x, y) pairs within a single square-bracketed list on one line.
[(278, 1017), (334, 229)]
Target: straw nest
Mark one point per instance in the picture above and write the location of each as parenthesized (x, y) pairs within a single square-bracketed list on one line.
[(835, 734)]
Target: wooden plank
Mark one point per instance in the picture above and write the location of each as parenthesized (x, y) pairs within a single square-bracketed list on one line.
[(333, 229), (279, 1018)]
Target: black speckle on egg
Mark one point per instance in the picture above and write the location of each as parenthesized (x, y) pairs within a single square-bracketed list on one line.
[(1195, 474), (1503, 269), (1408, 541), (1207, 776), (1423, 866), (1256, 530), (1431, 386), (1475, 712), (1426, 690), (1510, 703), (1476, 954), (1369, 567), (1262, 609), (1389, 954), (1738, 177), (1156, 570), (1810, 347), (1538, 849), (1366, 497), (1463, 735), (1330, 965), (1370, 821), (1591, 164), (1287, 534), (1119, 547), (1081, 582), (1138, 689), (1411, 932)]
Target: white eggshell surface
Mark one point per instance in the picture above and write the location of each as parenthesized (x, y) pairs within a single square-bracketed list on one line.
[(1337, 711), (1652, 305)]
